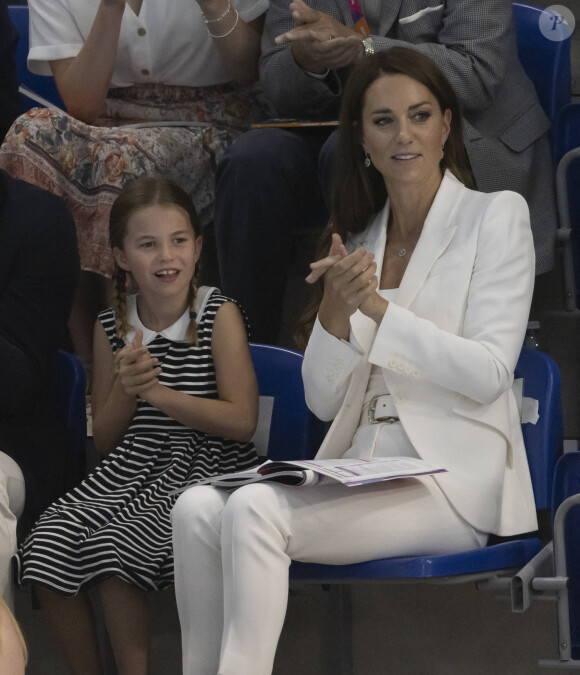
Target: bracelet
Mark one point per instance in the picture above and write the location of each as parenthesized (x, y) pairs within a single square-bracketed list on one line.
[(219, 17), (231, 30)]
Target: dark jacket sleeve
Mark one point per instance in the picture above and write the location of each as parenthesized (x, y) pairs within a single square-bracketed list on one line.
[(39, 266)]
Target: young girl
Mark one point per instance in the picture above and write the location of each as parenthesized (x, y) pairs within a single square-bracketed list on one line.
[(174, 400)]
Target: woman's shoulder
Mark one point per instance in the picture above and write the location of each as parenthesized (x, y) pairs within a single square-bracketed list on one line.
[(499, 198)]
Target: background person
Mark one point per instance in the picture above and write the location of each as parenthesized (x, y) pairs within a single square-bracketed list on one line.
[(421, 316), (117, 62), (303, 72), (39, 266)]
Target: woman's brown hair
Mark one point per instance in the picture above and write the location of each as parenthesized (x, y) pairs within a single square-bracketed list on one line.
[(360, 192), (136, 195)]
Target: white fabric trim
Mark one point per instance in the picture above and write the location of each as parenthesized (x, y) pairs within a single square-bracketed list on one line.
[(418, 15)]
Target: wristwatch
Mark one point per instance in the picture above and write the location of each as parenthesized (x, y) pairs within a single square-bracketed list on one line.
[(369, 45)]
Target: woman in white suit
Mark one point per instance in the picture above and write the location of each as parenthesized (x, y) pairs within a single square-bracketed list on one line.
[(413, 339)]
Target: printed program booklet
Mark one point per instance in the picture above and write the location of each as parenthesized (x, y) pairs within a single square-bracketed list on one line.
[(303, 473)]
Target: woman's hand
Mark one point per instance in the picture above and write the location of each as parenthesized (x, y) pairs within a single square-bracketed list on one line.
[(337, 251), (137, 370), (349, 281)]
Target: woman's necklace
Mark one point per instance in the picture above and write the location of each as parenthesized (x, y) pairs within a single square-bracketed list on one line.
[(405, 249)]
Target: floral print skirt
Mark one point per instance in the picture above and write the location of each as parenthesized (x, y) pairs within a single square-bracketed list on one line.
[(89, 165)]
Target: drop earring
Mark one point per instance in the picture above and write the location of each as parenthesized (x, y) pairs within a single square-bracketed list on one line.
[(367, 161), (442, 151)]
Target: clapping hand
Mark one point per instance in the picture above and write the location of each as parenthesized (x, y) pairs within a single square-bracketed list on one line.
[(137, 370), (320, 42), (350, 281)]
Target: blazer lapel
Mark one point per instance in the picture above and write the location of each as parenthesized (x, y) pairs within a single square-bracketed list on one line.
[(437, 233), (389, 15)]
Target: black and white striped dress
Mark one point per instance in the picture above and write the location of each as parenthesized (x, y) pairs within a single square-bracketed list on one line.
[(117, 521)]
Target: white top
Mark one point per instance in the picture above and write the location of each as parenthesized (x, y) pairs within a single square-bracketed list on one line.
[(166, 44)]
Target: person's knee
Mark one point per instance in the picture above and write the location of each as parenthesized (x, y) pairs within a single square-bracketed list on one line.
[(251, 503), (198, 504), (260, 153)]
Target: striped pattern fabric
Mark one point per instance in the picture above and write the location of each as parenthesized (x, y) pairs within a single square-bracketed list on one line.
[(117, 521)]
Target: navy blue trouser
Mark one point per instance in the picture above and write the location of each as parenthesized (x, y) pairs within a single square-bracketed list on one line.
[(269, 201)]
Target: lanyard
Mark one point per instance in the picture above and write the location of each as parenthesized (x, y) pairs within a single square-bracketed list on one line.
[(360, 23)]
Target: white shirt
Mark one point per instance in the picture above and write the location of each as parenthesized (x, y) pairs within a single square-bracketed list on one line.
[(166, 44), (177, 332)]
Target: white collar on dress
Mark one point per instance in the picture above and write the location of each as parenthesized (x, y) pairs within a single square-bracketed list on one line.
[(176, 332)]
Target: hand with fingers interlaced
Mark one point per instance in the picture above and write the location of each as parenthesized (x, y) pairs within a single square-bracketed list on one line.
[(350, 282), (136, 369)]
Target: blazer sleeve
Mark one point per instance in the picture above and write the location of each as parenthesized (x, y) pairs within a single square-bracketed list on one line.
[(472, 42), (478, 363), (326, 371)]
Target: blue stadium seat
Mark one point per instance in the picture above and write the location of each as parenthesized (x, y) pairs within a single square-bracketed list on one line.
[(546, 62), (71, 408)]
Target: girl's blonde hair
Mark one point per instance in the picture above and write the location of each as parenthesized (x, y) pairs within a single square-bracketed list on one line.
[(136, 195)]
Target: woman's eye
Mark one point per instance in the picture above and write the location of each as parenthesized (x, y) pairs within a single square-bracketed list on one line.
[(179, 240), (382, 121), (422, 116), (148, 244)]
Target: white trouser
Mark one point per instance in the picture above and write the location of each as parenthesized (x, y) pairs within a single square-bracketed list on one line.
[(11, 505), (233, 550)]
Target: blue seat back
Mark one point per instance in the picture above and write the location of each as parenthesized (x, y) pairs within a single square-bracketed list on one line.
[(71, 406), (40, 84), (543, 440), (546, 62), (294, 432)]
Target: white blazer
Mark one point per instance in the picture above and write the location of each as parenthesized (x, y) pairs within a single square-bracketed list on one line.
[(447, 349)]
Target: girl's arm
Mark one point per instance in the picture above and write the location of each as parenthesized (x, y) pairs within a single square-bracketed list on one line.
[(83, 81), (234, 414), (239, 49), (116, 383)]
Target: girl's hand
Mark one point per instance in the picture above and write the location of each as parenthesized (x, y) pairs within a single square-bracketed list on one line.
[(137, 370)]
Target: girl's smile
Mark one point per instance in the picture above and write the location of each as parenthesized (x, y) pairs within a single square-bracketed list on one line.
[(160, 250)]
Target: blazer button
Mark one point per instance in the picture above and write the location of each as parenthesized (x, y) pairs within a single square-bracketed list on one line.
[(392, 363)]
